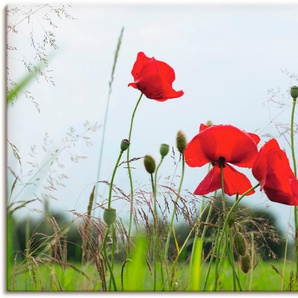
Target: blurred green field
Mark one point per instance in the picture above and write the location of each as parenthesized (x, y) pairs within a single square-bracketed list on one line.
[(266, 276)]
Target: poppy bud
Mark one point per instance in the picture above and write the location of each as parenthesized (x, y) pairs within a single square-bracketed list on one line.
[(164, 149), (181, 141), (294, 92), (149, 164), (209, 123), (245, 263), (240, 244), (124, 144), (109, 216)]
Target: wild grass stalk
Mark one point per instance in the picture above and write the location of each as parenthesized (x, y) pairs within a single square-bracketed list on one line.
[(116, 55)]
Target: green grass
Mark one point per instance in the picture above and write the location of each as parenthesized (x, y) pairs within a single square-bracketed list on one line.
[(53, 277)]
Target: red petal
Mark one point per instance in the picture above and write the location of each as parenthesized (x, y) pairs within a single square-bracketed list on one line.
[(235, 145), (154, 78), (234, 182), (141, 62), (272, 169)]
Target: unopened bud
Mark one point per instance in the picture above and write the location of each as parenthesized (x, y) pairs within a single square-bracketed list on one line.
[(181, 141), (164, 149), (149, 164), (240, 244), (124, 144), (294, 92), (109, 216), (245, 263), (209, 123)]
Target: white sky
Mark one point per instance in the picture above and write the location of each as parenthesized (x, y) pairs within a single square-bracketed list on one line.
[(225, 58)]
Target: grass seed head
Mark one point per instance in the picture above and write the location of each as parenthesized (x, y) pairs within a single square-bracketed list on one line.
[(240, 244), (245, 263)]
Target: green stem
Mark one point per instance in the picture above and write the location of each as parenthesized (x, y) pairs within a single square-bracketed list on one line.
[(292, 137), (154, 232), (252, 261), (218, 259), (230, 212), (107, 258), (212, 256), (182, 248), (295, 173), (129, 172), (285, 254), (173, 214), (112, 179), (222, 182)]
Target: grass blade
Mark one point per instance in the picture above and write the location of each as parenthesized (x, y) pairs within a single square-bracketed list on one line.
[(195, 265)]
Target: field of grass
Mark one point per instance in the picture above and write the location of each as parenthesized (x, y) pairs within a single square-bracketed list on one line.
[(54, 277)]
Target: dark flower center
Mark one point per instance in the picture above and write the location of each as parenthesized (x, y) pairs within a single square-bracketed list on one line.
[(221, 162)]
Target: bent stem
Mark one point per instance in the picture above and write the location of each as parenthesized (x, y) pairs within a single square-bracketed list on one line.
[(112, 179), (129, 173)]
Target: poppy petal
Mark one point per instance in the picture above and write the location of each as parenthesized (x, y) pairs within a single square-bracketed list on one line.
[(154, 78), (272, 170), (234, 182), (227, 141)]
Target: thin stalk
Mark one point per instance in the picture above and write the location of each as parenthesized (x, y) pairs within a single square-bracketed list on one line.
[(112, 179), (129, 172), (295, 173), (285, 255), (252, 261), (231, 257), (107, 107), (181, 250), (157, 247), (212, 257), (222, 182), (292, 137), (113, 252), (218, 245), (107, 258), (232, 210), (154, 233), (219, 261), (173, 214)]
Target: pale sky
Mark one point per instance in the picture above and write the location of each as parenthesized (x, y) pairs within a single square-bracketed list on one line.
[(226, 58)]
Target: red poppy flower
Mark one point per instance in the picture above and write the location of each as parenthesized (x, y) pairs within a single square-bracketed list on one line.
[(272, 169), (154, 78), (222, 145)]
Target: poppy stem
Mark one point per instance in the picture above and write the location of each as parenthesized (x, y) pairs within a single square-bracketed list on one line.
[(295, 173), (112, 179), (171, 227), (129, 173), (154, 232), (218, 244), (292, 137), (107, 258), (222, 181)]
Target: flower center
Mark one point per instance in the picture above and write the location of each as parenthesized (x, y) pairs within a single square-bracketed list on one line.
[(221, 162)]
